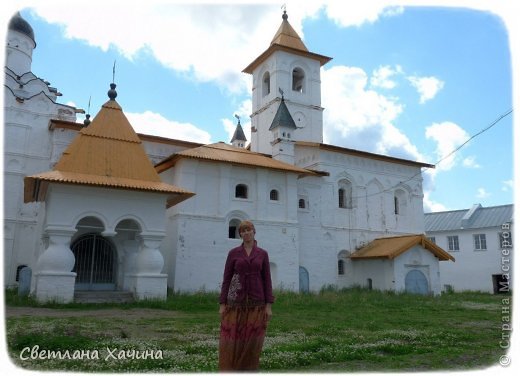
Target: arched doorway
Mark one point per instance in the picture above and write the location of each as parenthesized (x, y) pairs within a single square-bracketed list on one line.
[(304, 280), (95, 264), (416, 283)]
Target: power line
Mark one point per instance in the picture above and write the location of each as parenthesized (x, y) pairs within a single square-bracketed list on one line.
[(495, 122)]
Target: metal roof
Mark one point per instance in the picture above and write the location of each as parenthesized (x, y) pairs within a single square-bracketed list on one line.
[(286, 39), (476, 217), (391, 247), (221, 152), (239, 134), (283, 117)]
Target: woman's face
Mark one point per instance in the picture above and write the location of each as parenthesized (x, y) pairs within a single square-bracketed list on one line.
[(247, 234)]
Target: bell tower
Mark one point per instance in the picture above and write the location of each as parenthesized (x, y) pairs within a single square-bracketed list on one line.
[(286, 67)]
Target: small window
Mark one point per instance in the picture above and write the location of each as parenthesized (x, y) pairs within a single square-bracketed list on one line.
[(301, 203), (266, 84), (400, 202), (480, 242), (273, 195), (341, 267), (298, 77), (453, 243), (341, 197), (241, 191), (345, 194), (432, 239)]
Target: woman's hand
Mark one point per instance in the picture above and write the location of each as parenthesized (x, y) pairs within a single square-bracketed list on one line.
[(268, 312), (221, 310)]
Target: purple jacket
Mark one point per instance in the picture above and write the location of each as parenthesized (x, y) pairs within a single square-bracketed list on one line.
[(246, 277)]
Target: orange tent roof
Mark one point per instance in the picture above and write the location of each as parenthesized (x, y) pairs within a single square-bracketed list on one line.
[(221, 152), (286, 36), (107, 153), (286, 39), (392, 247)]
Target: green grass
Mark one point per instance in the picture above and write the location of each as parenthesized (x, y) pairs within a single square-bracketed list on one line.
[(348, 331)]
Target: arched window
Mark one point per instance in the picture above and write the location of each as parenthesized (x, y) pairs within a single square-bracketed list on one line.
[(301, 203), (20, 267), (241, 191), (273, 195), (266, 84), (341, 267), (345, 194), (400, 202), (298, 79), (342, 260), (233, 228)]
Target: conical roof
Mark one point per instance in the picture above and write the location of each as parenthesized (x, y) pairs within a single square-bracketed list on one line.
[(286, 36), (286, 39), (239, 134), (107, 153), (283, 118)]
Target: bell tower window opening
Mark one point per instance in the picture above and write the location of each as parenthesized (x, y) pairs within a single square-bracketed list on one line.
[(266, 84), (298, 78)]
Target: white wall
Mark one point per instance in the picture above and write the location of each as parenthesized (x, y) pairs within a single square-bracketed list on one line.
[(472, 270)]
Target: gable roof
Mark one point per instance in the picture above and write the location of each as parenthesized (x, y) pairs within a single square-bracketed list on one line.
[(391, 247), (362, 154), (476, 217), (221, 152), (107, 153)]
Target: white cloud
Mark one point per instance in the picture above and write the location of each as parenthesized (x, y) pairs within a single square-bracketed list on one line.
[(470, 162), (185, 38), (427, 87), (361, 118), (430, 206), (482, 193), (382, 77), (206, 42), (357, 15), (507, 185), (448, 137), (155, 124)]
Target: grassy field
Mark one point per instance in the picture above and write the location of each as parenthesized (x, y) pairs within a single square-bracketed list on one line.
[(343, 331)]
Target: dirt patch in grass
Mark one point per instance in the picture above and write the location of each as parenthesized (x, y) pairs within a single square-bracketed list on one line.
[(131, 313)]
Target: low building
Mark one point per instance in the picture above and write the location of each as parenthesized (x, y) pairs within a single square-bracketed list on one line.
[(481, 240)]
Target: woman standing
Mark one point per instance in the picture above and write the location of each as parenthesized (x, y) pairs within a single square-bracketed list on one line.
[(245, 303)]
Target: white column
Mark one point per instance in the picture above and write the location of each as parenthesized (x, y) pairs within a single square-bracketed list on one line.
[(150, 283), (54, 280)]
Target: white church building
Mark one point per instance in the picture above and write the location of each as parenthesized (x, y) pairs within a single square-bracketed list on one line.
[(95, 206)]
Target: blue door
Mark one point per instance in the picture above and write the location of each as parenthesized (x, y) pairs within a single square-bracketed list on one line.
[(304, 280), (416, 283)]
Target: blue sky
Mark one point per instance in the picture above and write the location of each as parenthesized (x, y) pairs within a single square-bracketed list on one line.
[(412, 82)]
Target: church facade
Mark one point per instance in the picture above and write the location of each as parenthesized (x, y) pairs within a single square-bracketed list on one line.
[(327, 215)]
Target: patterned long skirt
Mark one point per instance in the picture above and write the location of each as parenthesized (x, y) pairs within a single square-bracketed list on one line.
[(242, 332)]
